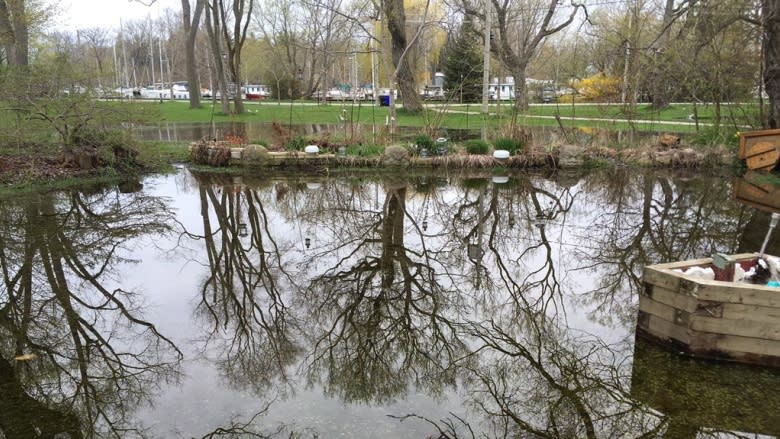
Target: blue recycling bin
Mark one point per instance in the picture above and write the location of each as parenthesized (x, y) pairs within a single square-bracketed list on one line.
[(384, 101)]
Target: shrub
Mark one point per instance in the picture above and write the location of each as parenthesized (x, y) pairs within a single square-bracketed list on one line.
[(366, 150), (295, 144), (115, 146), (212, 154), (424, 141), (477, 146), (712, 136), (511, 145)]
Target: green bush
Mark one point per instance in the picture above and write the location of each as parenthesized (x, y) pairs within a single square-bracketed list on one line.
[(98, 138), (477, 146), (713, 136), (424, 141), (367, 150), (295, 144), (511, 145)]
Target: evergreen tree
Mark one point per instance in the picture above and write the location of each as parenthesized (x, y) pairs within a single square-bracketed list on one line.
[(463, 65)]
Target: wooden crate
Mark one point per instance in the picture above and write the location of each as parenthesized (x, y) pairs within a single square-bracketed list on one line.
[(760, 149), (710, 318)]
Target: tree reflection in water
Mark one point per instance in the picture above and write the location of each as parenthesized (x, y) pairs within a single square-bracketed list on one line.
[(648, 219), (243, 295), (97, 358), (377, 291), (382, 313), (406, 287)]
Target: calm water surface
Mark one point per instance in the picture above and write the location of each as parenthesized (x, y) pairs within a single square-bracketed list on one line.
[(199, 305)]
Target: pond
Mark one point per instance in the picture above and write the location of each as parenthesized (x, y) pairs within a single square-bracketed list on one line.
[(432, 305), (363, 133)]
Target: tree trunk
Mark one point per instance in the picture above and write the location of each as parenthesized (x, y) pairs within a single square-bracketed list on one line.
[(14, 31), (396, 25), (213, 24), (191, 32), (770, 10), (521, 89), (659, 87), (234, 41)]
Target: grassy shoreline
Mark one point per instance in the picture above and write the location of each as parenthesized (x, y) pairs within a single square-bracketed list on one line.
[(156, 157), (675, 118)]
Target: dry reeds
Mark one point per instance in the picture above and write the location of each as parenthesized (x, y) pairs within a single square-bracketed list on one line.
[(210, 153)]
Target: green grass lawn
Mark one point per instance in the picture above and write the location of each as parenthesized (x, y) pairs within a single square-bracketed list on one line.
[(459, 116)]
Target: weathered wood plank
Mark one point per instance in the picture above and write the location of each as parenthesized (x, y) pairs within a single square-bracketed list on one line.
[(736, 311), (745, 294), (660, 277), (739, 346), (655, 308), (673, 298), (665, 329), (750, 138), (742, 328), (766, 161)]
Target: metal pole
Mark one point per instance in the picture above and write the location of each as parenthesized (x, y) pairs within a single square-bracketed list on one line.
[(772, 224)]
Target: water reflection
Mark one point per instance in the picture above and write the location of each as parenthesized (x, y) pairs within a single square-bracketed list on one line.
[(90, 357), (449, 305), (242, 300), (366, 132)]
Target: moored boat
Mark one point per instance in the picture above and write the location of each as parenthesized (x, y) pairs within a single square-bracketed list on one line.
[(254, 92), (713, 316)]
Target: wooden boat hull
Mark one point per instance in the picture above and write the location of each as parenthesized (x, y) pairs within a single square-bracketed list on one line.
[(760, 149), (710, 318)]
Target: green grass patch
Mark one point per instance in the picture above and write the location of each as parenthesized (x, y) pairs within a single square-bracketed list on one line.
[(368, 150), (159, 156)]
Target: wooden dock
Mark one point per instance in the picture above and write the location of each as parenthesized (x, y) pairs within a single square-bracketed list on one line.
[(760, 149), (714, 319)]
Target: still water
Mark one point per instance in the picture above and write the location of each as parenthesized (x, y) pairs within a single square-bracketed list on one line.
[(359, 133), (201, 305)]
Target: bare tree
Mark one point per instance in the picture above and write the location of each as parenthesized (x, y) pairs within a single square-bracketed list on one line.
[(239, 14), (191, 21), (521, 27), (214, 29), (100, 356), (395, 16)]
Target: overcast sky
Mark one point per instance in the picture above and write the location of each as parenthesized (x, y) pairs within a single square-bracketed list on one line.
[(80, 14)]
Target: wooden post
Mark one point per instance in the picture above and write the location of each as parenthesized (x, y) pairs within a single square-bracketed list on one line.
[(725, 265)]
